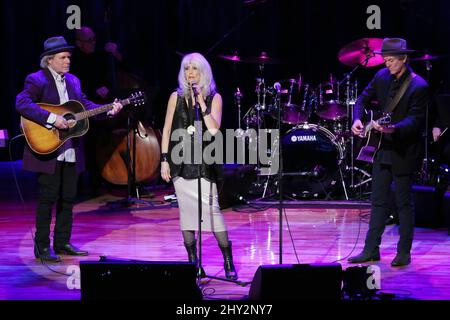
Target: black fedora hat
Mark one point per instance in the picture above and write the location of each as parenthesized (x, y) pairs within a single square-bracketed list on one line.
[(55, 45), (393, 46)]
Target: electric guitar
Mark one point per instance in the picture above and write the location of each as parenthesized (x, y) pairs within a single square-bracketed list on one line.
[(373, 137), (44, 141)]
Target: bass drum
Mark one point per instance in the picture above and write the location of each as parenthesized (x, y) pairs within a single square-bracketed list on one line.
[(311, 158)]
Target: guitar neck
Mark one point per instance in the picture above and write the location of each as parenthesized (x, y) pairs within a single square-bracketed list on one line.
[(383, 120), (93, 112)]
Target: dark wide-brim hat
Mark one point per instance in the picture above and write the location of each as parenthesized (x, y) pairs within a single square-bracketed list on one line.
[(393, 46), (55, 45)]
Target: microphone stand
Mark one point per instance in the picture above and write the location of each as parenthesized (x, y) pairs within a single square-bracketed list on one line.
[(280, 178), (425, 174), (199, 140)]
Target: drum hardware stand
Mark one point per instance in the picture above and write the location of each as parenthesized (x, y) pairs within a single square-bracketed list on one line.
[(237, 100), (367, 176), (260, 92), (350, 108), (266, 184), (342, 178), (279, 177)]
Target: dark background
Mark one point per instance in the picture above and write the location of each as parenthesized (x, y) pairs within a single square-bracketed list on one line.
[(306, 35)]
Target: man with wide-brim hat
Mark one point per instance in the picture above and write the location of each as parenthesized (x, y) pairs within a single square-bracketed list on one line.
[(57, 172), (394, 46), (405, 95), (55, 45)]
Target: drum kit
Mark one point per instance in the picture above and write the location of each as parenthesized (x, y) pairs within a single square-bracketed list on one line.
[(317, 145)]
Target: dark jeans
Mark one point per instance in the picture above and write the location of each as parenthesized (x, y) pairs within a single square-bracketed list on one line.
[(382, 178), (60, 189)]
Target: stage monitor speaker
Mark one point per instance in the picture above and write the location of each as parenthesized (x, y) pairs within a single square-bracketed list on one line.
[(427, 206), (297, 282), (138, 280), (446, 210)]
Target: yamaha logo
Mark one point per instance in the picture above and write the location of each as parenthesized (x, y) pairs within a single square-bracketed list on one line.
[(305, 138)]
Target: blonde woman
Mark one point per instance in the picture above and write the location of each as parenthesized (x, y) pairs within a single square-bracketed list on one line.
[(195, 76)]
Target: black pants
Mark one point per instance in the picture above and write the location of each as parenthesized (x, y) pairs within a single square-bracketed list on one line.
[(382, 178), (60, 189)]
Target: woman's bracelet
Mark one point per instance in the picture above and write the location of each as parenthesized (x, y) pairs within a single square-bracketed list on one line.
[(206, 112), (164, 157)]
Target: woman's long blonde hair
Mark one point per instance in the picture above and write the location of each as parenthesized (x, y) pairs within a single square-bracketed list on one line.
[(207, 84)]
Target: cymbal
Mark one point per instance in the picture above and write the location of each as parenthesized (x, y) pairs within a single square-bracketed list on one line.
[(429, 57), (263, 58), (234, 57), (361, 52)]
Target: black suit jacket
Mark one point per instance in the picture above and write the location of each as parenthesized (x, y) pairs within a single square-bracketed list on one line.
[(408, 117)]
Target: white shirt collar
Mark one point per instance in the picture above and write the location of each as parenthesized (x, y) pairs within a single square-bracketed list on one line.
[(56, 75)]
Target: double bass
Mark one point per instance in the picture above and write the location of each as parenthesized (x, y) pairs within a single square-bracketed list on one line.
[(145, 146)]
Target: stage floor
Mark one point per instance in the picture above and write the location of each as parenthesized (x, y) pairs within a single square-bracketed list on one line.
[(314, 235)]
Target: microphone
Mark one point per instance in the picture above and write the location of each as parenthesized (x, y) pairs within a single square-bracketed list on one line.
[(277, 87), (193, 88)]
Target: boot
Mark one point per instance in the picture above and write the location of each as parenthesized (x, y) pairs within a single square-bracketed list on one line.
[(365, 256), (230, 271), (401, 259), (192, 256)]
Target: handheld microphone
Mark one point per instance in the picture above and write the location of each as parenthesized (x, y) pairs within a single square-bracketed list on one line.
[(193, 88)]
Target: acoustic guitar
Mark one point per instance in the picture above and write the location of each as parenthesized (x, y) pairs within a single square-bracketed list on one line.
[(373, 137), (44, 141)]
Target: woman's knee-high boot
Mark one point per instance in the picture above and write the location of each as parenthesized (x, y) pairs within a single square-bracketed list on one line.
[(230, 271), (191, 249)]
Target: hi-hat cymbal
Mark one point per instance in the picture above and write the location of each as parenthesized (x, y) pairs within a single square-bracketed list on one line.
[(429, 57), (234, 57), (361, 52), (263, 58)]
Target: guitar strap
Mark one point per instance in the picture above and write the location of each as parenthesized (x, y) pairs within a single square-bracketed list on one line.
[(400, 93)]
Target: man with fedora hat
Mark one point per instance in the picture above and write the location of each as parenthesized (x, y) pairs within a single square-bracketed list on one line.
[(57, 172), (405, 95)]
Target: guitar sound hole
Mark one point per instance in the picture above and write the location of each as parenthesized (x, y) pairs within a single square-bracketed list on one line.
[(70, 117)]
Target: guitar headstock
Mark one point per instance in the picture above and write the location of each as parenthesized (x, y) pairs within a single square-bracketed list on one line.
[(137, 98)]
